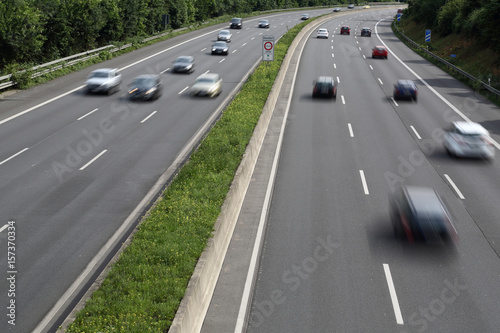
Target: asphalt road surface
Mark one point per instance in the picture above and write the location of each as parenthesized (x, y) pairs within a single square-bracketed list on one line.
[(330, 261)]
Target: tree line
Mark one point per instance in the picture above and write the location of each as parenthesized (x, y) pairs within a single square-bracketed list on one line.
[(37, 31), (477, 19)]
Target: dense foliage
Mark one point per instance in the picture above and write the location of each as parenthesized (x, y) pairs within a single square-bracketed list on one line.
[(475, 18), (36, 31)]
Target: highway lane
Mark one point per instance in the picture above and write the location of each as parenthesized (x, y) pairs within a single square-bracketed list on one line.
[(329, 255), (91, 159)]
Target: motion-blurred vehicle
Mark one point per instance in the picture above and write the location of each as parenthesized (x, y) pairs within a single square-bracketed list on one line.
[(419, 214), (366, 7), (305, 17), (183, 64), (322, 33), (236, 23), (345, 30), (325, 86), (146, 87), (465, 139), (209, 84), (405, 89), (220, 47), (264, 24), (336, 9), (400, 10), (104, 80), (366, 32), (351, 6), (224, 35), (380, 51)]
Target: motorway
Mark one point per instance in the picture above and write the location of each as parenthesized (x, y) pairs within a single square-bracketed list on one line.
[(77, 171), (330, 261)]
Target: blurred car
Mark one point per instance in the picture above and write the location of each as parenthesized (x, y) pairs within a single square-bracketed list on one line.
[(183, 64), (104, 80), (220, 47), (325, 86), (345, 30), (145, 87), (351, 6), (380, 52), (366, 32), (405, 89), (209, 84), (305, 17), (236, 23), (225, 36), (264, 24), (322, 33), (465, 139), (419, 214), (336, 9), (366, 7), (400, 10)]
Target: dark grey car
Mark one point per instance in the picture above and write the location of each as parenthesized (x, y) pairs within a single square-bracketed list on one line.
[(419, 214), (236, 23), (220, 48), (146, 87), (183, 64)]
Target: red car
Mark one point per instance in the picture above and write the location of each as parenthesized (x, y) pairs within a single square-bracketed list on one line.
[(379, 52), (345, 30)]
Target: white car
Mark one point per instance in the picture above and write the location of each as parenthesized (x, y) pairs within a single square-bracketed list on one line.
[(322, 33), (209, 84), (104, 80), (465, 139)]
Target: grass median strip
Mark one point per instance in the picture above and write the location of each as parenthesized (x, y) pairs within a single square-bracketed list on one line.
[(144, 288)]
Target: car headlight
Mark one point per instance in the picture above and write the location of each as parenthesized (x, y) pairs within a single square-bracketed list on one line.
[(150, 90), (213, 49)]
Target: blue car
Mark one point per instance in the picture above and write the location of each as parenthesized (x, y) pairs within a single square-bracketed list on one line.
[(405, 89)]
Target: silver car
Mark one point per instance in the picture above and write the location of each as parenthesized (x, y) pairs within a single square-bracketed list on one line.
[(465, 139), (209, 84), (104, 80), (225, 36)]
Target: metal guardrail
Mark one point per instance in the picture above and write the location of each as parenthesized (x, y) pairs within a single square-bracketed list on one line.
[(68, 61), (455, 68)]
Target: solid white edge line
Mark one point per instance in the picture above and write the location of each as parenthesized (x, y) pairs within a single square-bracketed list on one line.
[(152, 114), (448, 103), (394, 297), (92, 160), (351, 133), (343, 100), (363, 181), (16, 154), (455, 187), (85, 115), (4, 227), (415, 131), (244, 305)]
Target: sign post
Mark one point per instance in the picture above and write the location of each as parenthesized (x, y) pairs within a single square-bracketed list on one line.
[(268, 48)]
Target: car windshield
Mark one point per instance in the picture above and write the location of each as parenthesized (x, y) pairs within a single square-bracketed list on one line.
[(235, 20), (206, 80), (379, 49), (224, 32), (99, 74), (184, 60), (144, 83), (220, 44)]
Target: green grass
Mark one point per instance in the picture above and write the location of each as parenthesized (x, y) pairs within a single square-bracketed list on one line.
[(144, 288)]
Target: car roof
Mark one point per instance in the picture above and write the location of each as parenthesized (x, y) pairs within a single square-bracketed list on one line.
[(146, 76), (406, 82), (323, 29), (324, 79), (104, 70), (224, 31), (190, 58), (470, 128), (424, 200), (366, 28)]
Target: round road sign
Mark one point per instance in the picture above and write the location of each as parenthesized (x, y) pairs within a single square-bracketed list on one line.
[(268, 46)]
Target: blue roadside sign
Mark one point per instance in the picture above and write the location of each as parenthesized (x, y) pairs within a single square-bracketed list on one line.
[(428, 35), (399, 16)]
